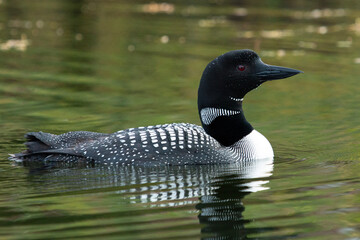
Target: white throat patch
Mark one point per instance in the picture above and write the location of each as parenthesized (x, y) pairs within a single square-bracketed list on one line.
[(237, 99), (209, 114)]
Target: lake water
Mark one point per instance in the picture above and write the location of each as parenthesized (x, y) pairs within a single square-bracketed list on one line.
[(110, 65)]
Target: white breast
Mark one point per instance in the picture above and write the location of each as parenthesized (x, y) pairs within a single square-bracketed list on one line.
[(253, 146)]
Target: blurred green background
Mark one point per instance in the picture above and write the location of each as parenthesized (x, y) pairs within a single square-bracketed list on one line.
[(109, 65)]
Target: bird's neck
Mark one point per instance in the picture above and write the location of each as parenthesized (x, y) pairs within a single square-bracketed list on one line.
[(225, 122)]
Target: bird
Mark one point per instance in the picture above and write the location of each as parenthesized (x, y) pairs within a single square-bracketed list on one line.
[(225, 136)]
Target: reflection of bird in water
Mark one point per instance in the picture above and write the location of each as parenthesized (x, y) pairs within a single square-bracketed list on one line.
[(226, 136), (216, 191), (221, 212)]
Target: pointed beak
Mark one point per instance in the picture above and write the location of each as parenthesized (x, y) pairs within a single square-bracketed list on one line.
[(270, 72)]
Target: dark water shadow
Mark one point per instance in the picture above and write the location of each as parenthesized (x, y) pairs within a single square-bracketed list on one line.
[(216, 191)]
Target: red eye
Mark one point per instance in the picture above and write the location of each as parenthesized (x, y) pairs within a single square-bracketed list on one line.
[(241, 67)]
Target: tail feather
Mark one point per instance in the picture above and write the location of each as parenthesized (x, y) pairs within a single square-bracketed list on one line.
[(38, 141), (40, 145)]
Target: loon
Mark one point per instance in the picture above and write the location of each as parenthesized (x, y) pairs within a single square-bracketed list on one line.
[(225, 136)]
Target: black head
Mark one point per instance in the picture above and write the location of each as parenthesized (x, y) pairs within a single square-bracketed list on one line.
[(225, 81), (236, 73)]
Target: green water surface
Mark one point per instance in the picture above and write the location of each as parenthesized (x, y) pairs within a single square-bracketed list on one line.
[(109, 65)]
